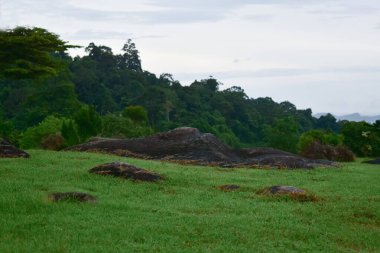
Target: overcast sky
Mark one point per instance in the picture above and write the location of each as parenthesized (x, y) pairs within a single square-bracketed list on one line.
[(318, 54)]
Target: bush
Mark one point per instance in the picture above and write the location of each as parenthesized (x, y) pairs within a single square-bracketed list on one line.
[(69, 133), (362, 138), (121, 127), (316, 150), (283, 134), (344, 154), (8, 131), (320, 136), (53, 142), (33, 136), (88, 123), (136, 113)]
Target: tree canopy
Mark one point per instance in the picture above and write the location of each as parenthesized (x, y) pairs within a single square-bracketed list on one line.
[(108, 94), (29, 53)]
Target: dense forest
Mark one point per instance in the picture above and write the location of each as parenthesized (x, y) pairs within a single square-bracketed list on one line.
[(49, 99)]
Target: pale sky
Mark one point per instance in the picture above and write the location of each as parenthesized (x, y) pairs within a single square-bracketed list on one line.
[(318, 54)]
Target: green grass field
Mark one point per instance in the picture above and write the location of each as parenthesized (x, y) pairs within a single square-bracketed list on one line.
[(185, 212)]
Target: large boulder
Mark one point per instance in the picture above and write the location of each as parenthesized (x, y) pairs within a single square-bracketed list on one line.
[(189, 145), (277, 158), (10, 151), (183, 143)]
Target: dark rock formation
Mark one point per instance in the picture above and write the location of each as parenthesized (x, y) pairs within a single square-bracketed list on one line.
[(228, 187), (189, 145), (284, 189), (125, 170), (9, 151), (71, 196), (374, 161), (291, 192), (269, 157)]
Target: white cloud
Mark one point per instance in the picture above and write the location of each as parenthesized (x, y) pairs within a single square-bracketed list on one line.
[(314, 53)]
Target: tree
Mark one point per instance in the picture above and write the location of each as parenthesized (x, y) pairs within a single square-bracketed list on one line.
[(136, 113), (131, 57), (328, 122), (321, 136), (283, 134), (88, 123), (28, 53), (362, 138), (69, 133), (102, 55)]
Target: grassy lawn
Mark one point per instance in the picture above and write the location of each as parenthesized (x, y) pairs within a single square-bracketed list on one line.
[(185, 212)]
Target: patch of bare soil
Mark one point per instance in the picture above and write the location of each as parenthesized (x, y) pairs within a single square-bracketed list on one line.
[(189, 145), (8, 150), (228, 187)]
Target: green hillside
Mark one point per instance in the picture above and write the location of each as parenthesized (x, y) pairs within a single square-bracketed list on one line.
[(186, 212)]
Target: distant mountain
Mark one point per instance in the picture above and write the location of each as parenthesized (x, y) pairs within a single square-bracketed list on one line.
[(353, 117)]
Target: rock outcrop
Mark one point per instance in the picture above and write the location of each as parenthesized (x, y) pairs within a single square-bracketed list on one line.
[(8, 150), (189, 145), (125, 170)]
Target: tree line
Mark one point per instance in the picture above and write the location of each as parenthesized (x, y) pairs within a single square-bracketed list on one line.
[(50, 99)]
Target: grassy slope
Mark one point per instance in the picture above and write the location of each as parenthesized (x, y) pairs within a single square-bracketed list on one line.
[(184, 213)]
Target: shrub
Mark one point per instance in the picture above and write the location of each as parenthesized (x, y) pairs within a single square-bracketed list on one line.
[(316, 150), (121, 127), (53, 142), (88, 123), (69, 133), (362, 138), (136, 113), (320, 136), (33, 136), (344, 154), (283, 134)]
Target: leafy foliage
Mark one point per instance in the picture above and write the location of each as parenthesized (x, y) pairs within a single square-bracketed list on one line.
[(321, 136), (116, 97), (33, 136), (136, 113), (69, 133), (283, 134), (123, 127), (363, 138), (88, 123), (27, 53)]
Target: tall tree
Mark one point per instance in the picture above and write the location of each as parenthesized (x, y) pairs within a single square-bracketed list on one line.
[(131, 56), (28, 53)]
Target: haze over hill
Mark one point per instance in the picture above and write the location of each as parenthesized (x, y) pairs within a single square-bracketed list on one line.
[(354, 117)]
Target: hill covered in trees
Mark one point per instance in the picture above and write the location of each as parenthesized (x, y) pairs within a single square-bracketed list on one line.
[(110, 95)]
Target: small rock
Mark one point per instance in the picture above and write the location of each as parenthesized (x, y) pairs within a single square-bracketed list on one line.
[(284, 189), (294, 193), (72, 196), (125, 170), (229, 187)]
